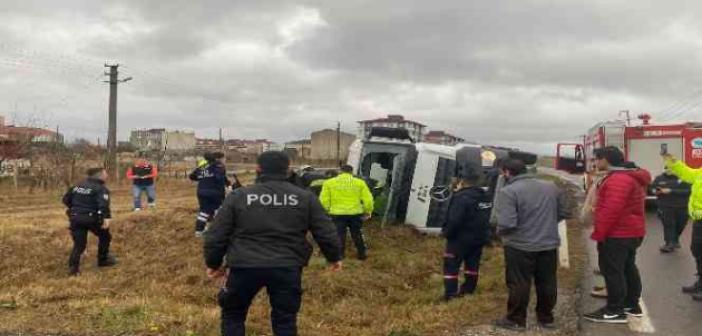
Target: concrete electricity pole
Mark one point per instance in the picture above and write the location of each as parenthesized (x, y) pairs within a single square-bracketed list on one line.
[(111, 163), (338, 143)]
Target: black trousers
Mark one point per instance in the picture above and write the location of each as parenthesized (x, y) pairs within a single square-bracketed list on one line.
[(284, 286), (353, 224), (522, 267), (209, 203), (674, 222), (454, 256), (696, 246), (617, 261), (80, 225)]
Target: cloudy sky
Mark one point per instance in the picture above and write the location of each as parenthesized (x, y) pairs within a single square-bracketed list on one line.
[(524, 72)]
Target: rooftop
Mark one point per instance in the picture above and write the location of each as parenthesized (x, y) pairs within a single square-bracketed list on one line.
[(392, 118)]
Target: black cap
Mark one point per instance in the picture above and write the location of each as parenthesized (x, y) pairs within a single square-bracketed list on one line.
[(274, 163)]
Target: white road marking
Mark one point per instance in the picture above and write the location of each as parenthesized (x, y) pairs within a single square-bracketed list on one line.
[(642, 324), (563, 256)]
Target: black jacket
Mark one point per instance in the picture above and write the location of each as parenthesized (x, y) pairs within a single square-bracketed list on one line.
[(266, 225), (89, 197), (212, 179), (468, 219), (678, 198)]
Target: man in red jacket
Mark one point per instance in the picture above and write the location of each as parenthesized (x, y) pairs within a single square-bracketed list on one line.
[(620, 226)]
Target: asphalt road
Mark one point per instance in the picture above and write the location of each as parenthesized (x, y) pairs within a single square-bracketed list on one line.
[(670, 312)]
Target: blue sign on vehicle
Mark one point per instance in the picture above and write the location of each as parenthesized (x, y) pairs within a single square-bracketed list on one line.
[(697, 143)]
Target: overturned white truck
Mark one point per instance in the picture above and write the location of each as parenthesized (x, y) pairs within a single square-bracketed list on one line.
[(412, 181)]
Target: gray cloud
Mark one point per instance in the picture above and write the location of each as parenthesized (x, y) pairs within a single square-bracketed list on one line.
[(506, 72)]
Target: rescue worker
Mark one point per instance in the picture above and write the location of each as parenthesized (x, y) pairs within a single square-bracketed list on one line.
[(211, 189), (619, 230), (693, 177), (673, 195), (88, 206), (307, 175), (294, 178), (262, 231), (467, 230), (349, 202), (143, 175)]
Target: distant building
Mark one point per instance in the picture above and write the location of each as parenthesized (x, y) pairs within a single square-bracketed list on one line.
[(207, 145), (160, 139), (416, 130), (442, 138), (301, 149), (255, 147), (272, 146), (324, 145), (27, 134)]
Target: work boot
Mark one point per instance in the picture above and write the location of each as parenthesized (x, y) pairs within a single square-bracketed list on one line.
[(109, 261), (695, 288), (505, 323), (73, 271), (667, 248)]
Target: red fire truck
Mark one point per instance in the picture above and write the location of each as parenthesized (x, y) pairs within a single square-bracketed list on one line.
[(641, 144)]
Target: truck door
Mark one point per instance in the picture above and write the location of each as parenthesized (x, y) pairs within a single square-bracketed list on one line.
[(570, 158)]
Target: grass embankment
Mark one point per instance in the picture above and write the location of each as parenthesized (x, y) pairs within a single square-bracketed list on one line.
[(159, 288)]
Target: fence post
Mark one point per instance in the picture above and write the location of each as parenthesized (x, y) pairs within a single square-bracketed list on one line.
[(15, 179)]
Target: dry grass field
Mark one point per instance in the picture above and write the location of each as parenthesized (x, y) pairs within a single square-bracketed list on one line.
[(160, 288)]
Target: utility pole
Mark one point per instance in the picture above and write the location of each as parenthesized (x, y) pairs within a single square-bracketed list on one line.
[(57, 140), (111, 163), (338, 143), (221, 141)]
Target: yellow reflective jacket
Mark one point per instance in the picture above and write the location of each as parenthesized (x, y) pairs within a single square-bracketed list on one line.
[(693, 177), (346, 195)]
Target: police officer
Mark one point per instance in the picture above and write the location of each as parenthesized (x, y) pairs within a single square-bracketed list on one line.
[(211, 188), (89, 210), (673, 198), (467, 231), (262, 230), (349, 201)]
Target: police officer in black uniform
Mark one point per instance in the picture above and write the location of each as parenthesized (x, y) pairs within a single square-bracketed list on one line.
[(262, 231), (89, 210), (673, 197)]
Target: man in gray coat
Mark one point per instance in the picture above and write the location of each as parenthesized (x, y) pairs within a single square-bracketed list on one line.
[(528, 212)]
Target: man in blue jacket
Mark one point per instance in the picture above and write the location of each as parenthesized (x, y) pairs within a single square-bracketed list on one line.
[(211, 189), (467, 230)]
